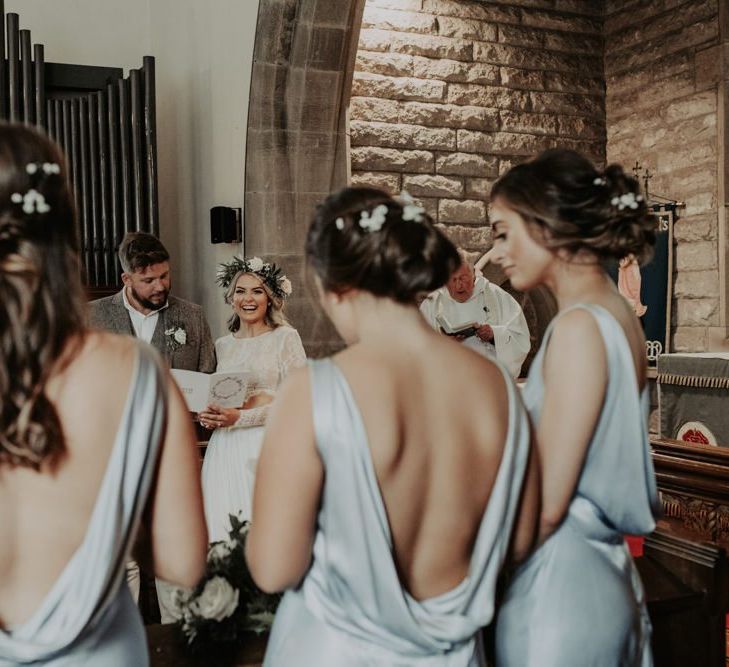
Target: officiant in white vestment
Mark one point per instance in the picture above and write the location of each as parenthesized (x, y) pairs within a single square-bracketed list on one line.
[(501, 330)]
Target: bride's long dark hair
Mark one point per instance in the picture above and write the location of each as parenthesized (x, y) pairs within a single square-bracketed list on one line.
[(41, 295)]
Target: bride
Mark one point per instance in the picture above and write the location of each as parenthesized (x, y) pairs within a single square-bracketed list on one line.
[(263, 344)]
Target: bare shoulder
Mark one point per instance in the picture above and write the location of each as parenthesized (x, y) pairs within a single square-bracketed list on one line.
[(576, 342)]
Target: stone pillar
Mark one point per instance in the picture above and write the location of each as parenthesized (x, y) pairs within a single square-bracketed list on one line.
[(297, 138)]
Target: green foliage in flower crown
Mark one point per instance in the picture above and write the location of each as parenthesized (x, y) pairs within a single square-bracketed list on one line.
[(219, 640), (268, 272)]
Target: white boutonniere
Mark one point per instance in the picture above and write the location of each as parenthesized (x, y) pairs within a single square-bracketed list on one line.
[(176, 337)]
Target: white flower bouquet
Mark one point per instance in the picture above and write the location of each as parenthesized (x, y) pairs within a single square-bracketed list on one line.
[(226, 604)]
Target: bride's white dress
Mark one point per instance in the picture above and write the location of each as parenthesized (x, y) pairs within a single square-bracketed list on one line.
[(230, 461)]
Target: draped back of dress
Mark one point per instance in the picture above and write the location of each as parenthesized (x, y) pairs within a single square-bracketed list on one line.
[(352, 607), (88, 616)]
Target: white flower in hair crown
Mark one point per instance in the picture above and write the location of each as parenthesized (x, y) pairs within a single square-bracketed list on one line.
[(373, 221), (268, 272)]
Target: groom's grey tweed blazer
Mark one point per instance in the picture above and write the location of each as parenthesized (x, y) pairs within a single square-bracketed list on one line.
[(197, 354)]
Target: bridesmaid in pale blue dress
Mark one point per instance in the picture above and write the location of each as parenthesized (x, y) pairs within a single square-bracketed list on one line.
[(395, 479), (95, 439), (578, 601)]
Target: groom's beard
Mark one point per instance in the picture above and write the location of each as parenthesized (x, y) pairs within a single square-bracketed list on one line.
[(160, 299)]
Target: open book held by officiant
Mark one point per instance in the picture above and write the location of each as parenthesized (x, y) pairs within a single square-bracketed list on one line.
[(465, 329), (226, 390)]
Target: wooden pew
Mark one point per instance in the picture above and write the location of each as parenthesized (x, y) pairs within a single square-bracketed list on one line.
[(687, 591), (693, 482)]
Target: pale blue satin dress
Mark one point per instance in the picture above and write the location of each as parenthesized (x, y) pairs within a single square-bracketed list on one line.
[(351, 609), (88, 618), (578, 600)]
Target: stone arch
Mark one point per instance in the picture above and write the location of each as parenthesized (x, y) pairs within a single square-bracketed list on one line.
[(297, 145)]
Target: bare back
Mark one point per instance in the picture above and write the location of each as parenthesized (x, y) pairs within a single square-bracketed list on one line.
[(436, 417), (44, 516)]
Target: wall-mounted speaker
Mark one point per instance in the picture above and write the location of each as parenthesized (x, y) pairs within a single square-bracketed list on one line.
[(225, 225)]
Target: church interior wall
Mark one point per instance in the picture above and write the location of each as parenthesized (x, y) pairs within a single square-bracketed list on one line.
[(448, 94), (203, 64), (662, 65)]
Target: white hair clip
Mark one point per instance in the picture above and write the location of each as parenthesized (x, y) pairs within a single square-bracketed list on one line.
[(33, 202), (51, 168), (410, 210), (339, 224), (627, 200), (372, 222), (599, 181), (47, 168)]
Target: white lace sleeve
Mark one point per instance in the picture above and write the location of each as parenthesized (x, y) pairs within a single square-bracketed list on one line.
[(292, 354), (252, 417)]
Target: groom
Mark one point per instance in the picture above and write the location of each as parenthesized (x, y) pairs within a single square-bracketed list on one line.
[(144, 307), (176, 328)]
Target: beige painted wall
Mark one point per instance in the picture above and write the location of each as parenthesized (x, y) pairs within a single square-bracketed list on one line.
[(203, 54), (87, 32), (204, 61)]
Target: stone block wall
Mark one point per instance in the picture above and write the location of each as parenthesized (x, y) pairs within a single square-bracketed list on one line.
[(448, 94), (662, 67)]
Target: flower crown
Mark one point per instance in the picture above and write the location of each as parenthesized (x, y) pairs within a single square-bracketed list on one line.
[(269, 273), (372, 221), (32, 200)]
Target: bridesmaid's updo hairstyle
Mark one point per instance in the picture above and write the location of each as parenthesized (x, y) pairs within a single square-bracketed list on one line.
[(576, 207), (365, 239)]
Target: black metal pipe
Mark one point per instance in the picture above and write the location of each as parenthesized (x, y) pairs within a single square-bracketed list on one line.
[(117, 222), (3, 71), (104, 217), (26, 68), (150, 143), (135, 103), (13, 67), (41, 116), (125, 155), (60, 131), (80, 108), (93, 195), (51, 116)]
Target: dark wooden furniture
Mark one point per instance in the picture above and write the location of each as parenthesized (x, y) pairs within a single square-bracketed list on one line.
[(167, 649), (693, 481), (687, 590)]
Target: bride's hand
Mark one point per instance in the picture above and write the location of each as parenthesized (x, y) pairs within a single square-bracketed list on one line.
[(216, 417)]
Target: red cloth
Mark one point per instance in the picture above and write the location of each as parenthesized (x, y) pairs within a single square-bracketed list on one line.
[(635, 544)]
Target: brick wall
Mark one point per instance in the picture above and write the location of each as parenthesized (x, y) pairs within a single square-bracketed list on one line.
[(662, 71), (448, 94)]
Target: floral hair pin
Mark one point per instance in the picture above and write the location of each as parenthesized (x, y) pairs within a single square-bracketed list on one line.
[(627, 200), (32, 200), (410, 210), (372, 221)]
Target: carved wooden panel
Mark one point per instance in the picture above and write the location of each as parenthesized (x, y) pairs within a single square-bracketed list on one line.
[(693, 481)]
